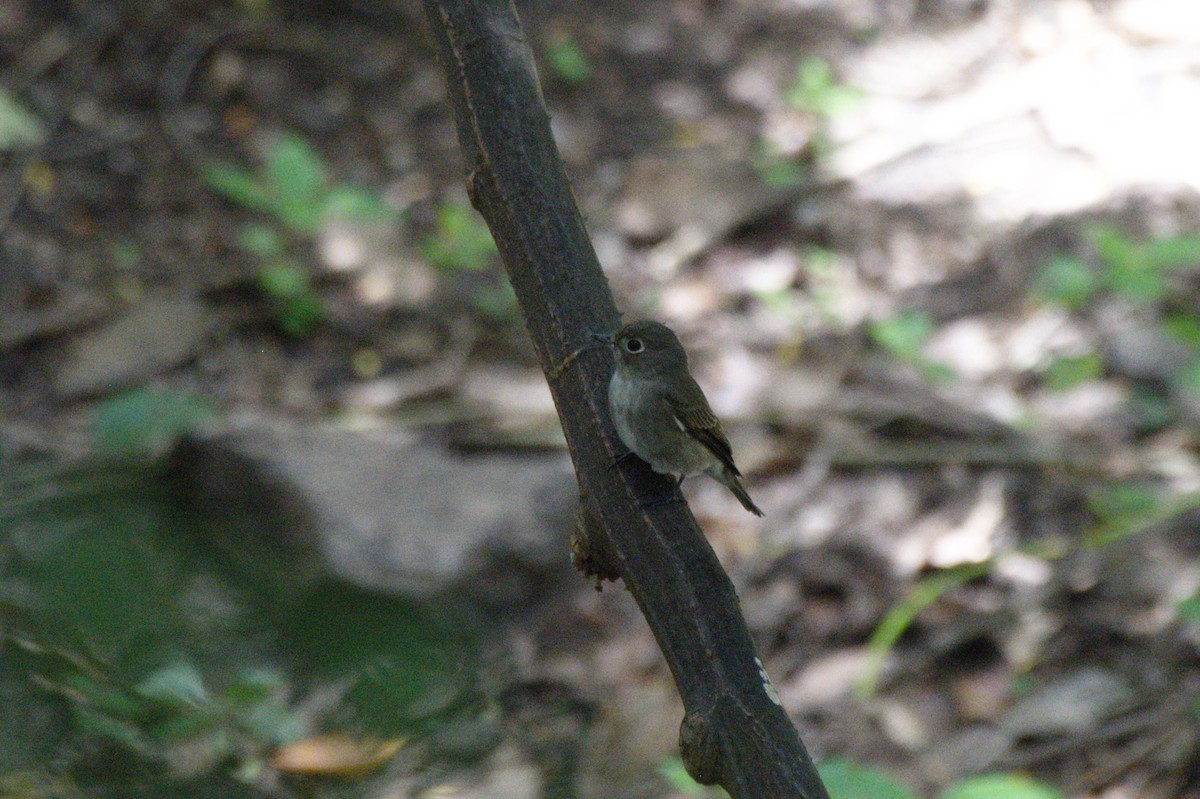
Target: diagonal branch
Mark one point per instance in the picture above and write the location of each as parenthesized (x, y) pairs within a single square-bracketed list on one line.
[(734, 731)]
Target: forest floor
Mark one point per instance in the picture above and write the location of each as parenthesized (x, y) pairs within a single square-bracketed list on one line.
[(937, 264)]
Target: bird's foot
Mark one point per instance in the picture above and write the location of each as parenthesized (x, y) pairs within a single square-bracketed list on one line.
[(675, 497), (624, 456)]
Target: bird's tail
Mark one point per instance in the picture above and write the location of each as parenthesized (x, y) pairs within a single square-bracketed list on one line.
[(735, 485)]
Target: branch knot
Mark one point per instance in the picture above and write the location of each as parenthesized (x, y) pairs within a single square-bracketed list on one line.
[(698, 747)]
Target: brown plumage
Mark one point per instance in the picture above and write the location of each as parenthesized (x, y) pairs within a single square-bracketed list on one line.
[(661, 413)]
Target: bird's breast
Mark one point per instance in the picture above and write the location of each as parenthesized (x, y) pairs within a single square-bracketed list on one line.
[(646, 425), (624, 405)]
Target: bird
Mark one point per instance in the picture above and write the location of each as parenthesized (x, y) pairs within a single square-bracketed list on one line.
[(660, 412)]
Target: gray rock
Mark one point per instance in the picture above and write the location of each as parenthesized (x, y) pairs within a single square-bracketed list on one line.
[(75, 308), (698, 188), (1136, 344), (380, 509), (973, 750), (157, 334), (1071, 704)]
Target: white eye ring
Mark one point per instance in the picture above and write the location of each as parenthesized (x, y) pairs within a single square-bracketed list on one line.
[(634, 346)]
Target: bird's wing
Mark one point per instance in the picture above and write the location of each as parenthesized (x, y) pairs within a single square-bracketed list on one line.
[(695, 417)]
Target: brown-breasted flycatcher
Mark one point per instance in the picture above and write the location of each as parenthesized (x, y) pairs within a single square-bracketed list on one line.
[(661, 413)]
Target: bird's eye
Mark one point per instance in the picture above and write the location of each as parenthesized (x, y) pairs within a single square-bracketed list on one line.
[(634, 345)]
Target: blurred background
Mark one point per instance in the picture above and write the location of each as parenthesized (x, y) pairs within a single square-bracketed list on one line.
[(284, 503)]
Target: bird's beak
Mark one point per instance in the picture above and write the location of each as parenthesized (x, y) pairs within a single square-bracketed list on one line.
[(607, 338)]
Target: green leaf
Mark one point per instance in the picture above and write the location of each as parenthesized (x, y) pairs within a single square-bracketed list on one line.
[(1188, 609), (1000, 786), (903, 335), (262, 241), (1139, 282), (272, 722), (845, 779), (1068, 372), (675, 773), (353, 203), (1188, 378), (1174, 252), (103, 697), (103, 579), (462, 241), (1151, 409), (814, 77), (283, 280), (498, 301), (777, 171), (298, 315), (938, 373), (902, 615), (297, 178), (179, 683), (19, 129), (257, 698), (146, 422), (1125, 510), (1066, 281), (1183, 327), (568, 61), (110, 598), (239, 186), (98, 725), (1116, 250), (252, 686), (1130, 273), (187, 722), (403, 661), (816, 91), (1121, 503)]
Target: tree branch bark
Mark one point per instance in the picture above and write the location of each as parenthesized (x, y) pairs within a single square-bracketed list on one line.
[(734, 731)]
